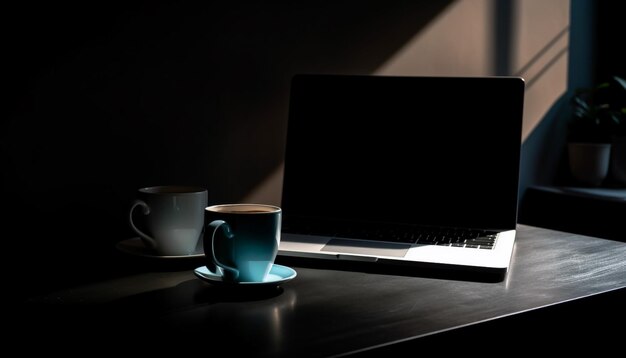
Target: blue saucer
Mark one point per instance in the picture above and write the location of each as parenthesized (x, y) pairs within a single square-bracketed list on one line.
[(278, 274)]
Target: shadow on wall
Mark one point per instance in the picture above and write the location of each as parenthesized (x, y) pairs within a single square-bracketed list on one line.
[(107, 99)]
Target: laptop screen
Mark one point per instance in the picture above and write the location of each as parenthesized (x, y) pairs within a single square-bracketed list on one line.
[(440, 151)]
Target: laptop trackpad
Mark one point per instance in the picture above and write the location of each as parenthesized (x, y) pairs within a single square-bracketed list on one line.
[(367, 247)]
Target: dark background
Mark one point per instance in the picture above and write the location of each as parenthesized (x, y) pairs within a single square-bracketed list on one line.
[(104, 98)]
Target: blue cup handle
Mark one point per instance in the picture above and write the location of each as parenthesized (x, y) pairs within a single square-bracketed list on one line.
[(228, 234)]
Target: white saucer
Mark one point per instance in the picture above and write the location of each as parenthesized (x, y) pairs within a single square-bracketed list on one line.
[(278, 274), (136, 247)]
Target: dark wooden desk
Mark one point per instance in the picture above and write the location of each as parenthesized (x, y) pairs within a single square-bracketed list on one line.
[(332, 312)]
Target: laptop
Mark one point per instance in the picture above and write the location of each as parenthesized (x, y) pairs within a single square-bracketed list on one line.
[(403, 170)]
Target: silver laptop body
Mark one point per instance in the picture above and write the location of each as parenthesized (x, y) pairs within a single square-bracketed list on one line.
[(418, 171)]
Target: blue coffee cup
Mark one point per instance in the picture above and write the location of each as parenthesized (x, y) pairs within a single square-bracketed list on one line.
[(241, 240)]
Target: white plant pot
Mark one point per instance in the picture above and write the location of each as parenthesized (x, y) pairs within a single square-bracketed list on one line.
[(589, 162)]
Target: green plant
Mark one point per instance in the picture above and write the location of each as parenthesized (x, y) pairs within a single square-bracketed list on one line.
[(599, 113)]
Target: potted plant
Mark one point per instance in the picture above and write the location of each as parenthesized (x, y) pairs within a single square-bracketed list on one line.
[(597, 122)]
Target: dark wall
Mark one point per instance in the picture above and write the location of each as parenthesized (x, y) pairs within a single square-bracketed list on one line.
[(611, 34), (106, 98)]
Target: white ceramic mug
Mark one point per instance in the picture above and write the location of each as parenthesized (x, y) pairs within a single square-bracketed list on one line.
[(174, 218)]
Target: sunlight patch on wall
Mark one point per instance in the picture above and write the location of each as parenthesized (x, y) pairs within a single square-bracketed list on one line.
[(540, 55), (269, 191), (457, 42)]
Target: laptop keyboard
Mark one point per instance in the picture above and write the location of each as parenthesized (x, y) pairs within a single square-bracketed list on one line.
[(462, 238)]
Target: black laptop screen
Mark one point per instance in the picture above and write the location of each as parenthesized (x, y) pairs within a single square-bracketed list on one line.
[(438, 151)]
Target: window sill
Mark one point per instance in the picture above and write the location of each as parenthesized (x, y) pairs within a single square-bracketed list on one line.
[(598, 212)]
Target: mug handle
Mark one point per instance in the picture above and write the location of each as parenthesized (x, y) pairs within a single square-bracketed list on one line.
[(147, 240), (215, 225)]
